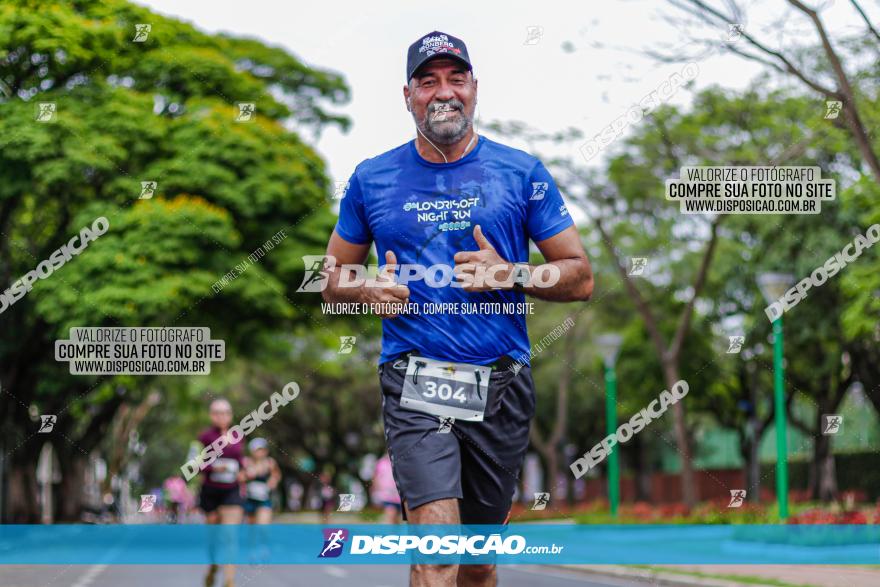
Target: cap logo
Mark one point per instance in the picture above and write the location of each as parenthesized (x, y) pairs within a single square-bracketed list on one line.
[(434, 44), (437, 44)]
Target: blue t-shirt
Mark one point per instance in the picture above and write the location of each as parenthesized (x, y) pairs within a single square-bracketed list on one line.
[(426, 212)]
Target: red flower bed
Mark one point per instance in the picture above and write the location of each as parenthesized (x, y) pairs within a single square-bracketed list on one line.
[(671, 510), (823, 517)]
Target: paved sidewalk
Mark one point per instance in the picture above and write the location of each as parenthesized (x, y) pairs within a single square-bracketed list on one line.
[(822, 575), (677, 575), (315, 518)]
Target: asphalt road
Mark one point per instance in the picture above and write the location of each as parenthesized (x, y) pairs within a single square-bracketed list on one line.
[(276, 576)]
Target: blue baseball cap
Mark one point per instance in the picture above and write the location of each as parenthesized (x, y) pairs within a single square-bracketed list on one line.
[(435, 44)]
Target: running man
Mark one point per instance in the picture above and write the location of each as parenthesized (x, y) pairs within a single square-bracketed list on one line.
[(262, 475), (220, 497), (450, 198)]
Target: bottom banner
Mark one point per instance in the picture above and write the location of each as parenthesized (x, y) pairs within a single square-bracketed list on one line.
[(405, 544)]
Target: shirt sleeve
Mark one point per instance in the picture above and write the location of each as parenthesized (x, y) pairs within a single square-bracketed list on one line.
[(547, 214), (203, 440), (352, 224)]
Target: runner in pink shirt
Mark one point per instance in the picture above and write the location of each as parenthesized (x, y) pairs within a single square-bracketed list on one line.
[(221, 496), (384, 490)]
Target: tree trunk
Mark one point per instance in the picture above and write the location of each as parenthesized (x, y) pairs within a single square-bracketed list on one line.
[(753, 468), (551, 448), (669, 354), (845, 91), (73, 468), (552, 471), (823, 477), (570, 487), (642, 465), (756, 431), (865, 358), (748, 450), (22, 506), (827, 478), (688, 488)]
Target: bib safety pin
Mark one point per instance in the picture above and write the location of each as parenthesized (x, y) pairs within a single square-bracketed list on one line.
[(419, 365)]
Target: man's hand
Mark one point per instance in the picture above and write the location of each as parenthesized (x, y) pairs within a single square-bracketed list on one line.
[(385, 290), (482, 270)]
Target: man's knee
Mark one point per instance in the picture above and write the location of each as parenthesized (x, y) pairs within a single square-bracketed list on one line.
[(438, 569), (431, 575), (441, 511), (477, 573)]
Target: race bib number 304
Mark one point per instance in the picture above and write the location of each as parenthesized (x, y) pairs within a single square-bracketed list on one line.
[(446, 389)]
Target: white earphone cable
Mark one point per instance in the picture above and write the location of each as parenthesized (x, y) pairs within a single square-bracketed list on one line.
[(445, 160), (471, 142)]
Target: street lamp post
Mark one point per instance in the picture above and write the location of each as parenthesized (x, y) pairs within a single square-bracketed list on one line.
[(773, 286), (609, 345)]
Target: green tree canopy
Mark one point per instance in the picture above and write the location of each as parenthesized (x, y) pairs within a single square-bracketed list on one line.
[(160, 109)]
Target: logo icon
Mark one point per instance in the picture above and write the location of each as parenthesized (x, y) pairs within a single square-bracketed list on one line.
[(832, 109), (46, 112), (346, 344), (539, 189), (47, 423), (736, 343), (734, 32), (831, 423), (441, 110), (737, 496), (334, 540), (637, 265), (439, 44), (346, 500), (148, 188), (141, 32), (445, 425), (563, 211), (147, 503), (341, 188), (315, 279), (541, 501), (533, 35), (246, 111)]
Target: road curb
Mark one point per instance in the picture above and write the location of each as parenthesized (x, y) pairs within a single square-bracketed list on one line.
[(662, 578)]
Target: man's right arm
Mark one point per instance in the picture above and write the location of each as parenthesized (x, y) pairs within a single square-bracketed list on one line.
[(385, 291), (345, 253)]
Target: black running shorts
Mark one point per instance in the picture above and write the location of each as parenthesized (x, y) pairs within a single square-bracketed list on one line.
[(477, 462), (211, 498)]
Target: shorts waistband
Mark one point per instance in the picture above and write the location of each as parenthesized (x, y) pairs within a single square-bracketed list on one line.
[(503, 362)]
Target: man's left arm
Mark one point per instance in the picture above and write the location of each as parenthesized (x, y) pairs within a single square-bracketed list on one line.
[(565, 277), (565, 257)]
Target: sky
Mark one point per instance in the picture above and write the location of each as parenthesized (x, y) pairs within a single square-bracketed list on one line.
[(586, 69)]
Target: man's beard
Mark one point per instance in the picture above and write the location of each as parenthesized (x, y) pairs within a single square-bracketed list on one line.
[(445, 122)]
